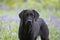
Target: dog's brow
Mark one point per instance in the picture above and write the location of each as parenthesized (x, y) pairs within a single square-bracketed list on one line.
[(29, 11)]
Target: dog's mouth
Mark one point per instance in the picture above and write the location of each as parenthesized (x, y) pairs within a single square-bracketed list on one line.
[(29, 22)]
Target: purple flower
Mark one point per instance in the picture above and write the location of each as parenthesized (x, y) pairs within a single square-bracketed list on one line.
[(16, 19), (5, 17)]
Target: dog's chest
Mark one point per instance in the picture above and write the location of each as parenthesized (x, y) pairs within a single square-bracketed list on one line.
[(36, 28), (26, 30), (26, 34)]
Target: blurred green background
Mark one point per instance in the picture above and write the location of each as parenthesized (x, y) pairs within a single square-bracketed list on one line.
[(49, 10)]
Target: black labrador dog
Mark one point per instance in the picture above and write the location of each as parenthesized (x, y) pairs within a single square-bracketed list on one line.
[(31, 26)]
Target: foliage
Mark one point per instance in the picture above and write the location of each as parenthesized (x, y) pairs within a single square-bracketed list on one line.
[(9, 29), (45, 5), (9, 20), (54, 32)]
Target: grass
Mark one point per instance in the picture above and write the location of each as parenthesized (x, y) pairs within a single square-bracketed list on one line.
[(9, 30)]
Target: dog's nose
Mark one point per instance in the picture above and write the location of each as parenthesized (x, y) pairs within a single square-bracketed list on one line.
[(29, 21)]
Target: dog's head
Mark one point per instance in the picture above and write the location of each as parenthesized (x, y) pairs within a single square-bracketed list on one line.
[(28, 16)]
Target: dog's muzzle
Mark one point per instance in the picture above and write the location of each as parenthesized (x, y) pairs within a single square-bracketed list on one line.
[(29, 22)]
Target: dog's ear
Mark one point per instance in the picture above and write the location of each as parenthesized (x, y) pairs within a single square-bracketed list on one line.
[(21, 14), (36, 14)]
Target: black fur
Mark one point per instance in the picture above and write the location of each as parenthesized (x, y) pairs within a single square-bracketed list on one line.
[(31, 26)]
